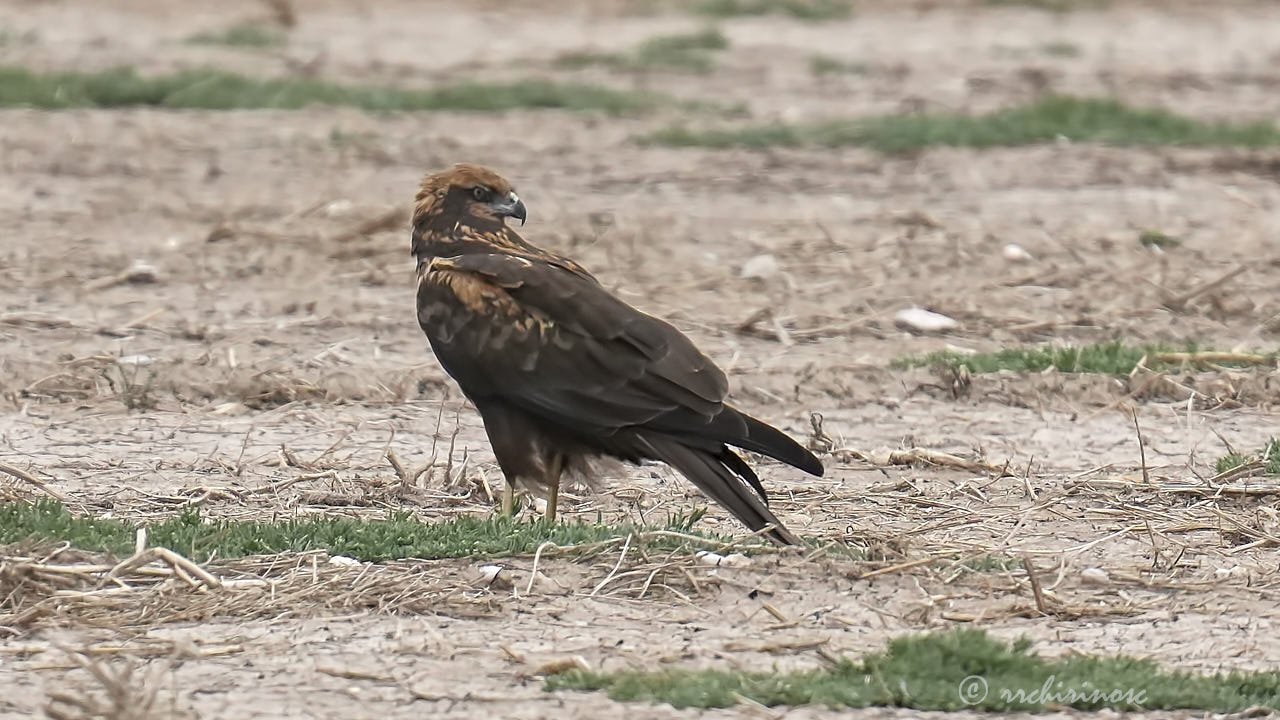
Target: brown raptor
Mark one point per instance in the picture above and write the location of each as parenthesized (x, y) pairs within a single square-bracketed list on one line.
[(561, 370)]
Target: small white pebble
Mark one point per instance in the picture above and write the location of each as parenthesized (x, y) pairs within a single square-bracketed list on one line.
[(1013, 252), (1095, 576), (338, 208), (709, 558), (759, 267), (924, 320), (489, 573), (231, 408), (1231, 573), (343, 561), (134, 360)]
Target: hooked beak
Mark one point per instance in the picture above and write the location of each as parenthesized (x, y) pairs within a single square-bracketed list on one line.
[(510, 206)]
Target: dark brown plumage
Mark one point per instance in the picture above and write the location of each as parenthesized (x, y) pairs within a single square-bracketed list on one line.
[(561, 370)]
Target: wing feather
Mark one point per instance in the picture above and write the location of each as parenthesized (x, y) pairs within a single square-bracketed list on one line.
[(556, 344), (592, 349)]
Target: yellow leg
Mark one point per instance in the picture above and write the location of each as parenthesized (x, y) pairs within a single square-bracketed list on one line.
[(553, 486), (509, 499)]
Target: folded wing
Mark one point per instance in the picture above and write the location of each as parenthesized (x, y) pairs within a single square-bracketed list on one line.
[(553, 342)]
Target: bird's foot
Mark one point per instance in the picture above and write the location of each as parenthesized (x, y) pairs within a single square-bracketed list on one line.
[(512, 502)]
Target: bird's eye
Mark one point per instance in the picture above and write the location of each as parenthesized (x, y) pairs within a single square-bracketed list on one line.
[(480, 193)]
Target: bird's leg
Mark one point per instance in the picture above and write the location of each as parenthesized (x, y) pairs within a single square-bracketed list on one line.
[(509, 499), (554, 468)]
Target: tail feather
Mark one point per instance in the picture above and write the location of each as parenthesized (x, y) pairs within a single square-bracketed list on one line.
[(739, 467), (768, 440), (715, 476)]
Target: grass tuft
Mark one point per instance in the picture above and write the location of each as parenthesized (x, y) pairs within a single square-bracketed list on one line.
[(1110, 358), (1059, 6), (248, 35), (936, 672), (8, 37), (991, 563), (692, 52), (812, 10), (1270, 455), (1076, 119), (208, 89), (1106, 358), (821, 65), (400, 536), (1060, 49), (1155, 238)]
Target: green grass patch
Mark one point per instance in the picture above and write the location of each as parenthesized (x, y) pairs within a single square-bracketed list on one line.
[(340, 138), (1113, 357), (1109, 358), (991, 563), (937, 672), (821, 65), (1060, 6), (707, 39), (1155, 238), (1270, 455), (812, 10), (692, 52), (1060, 49), (400, 536), (1077, 119), (246, 35), (8, 37), (208, 89)]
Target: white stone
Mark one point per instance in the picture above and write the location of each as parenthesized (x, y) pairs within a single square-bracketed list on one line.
[(1013, 252), (489, 573), (760, 267), (338, 208), (1095, 576), (924, 320)]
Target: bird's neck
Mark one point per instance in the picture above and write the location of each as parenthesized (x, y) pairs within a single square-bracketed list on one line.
[(436, 237)]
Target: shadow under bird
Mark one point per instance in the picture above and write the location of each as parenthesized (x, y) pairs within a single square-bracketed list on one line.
[(561, 370)]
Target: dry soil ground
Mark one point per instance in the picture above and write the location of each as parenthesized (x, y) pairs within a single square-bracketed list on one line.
[(280, 324)]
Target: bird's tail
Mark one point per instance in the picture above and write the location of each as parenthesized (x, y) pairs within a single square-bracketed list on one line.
[(768, 440), (725, 478)]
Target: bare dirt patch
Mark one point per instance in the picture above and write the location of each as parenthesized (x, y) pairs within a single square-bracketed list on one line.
[(197, 307)]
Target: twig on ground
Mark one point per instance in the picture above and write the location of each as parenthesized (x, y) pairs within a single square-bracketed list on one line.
[(1142, 447), (1179, 302), (1041, 605), (32, 480)]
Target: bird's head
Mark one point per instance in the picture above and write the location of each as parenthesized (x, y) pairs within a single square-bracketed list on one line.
[(467, 194)]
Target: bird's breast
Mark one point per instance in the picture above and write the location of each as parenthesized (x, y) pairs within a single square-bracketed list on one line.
[(462, 313)]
